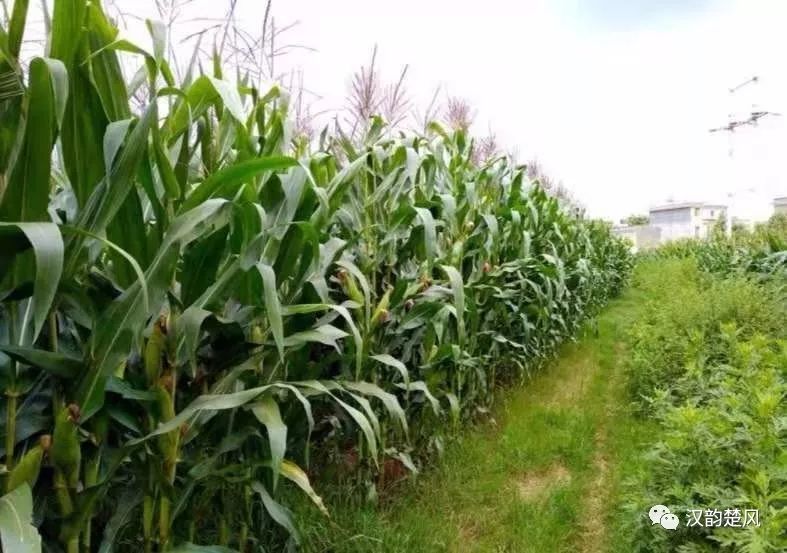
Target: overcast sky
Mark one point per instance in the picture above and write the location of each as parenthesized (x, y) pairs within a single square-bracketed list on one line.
[(614, 97)]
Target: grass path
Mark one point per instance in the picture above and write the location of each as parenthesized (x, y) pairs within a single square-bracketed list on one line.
[(540, 476)]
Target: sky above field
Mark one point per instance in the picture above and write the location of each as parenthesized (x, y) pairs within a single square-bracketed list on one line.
[(613, 97)]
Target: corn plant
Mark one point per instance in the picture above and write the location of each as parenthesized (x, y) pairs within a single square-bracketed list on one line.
[(201, 311)]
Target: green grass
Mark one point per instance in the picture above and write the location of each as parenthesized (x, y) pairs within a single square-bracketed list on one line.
[(542, 475)]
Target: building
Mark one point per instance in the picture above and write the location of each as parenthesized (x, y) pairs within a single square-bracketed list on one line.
[(642, 237), (686, 220), (780, 205)]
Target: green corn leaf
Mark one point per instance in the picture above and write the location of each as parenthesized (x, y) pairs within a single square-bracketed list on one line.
[(109, 197), (272, 306), (323, 334), (430, 233), (67, 25), (371, 416), (267, 412), (47, 244), (210, 402), (138, 273), (389, 400), (421, 386), (359, 349), (391, 361), (204, 92), (227, 181), (27, 193), (307, 409), (458, 290), (277, 512), (201, 263), (121, 45), (16, 27), (158, 33), (453, 403), (106, 74), (17, 533), (164, 166), (59, 364), (113, 140), (126, 390), (360, 419), (191, 321), (341, 182)]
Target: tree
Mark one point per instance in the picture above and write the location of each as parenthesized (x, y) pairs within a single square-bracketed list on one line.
[(636, 220)]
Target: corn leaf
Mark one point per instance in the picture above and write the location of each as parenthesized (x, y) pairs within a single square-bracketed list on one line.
[(27, 194), (458, 290), (17, 533), (295, 474), (58, 364), (278, 512), (47, 245), (227, 181), (267, 412), (272, 306)]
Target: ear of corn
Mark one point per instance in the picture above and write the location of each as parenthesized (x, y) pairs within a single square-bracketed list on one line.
[(26, 471), (371, 290), (66, 452)]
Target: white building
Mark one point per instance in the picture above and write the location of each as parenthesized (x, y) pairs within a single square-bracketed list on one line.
[(686, 220), (642, 237), (780, 205)]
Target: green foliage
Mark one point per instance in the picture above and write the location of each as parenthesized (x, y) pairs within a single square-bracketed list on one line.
[(707, 366), (761, 252), (193, 306), (17, 533), (685, 322), (636, 220)]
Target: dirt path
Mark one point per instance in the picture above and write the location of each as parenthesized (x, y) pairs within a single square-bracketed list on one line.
[(594, 535)]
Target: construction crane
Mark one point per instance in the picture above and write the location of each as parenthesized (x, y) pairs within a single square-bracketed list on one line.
[(752, 120)]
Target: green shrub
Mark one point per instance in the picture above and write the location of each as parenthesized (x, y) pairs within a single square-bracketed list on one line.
[(685, 322), (722, 445), (707, 364)]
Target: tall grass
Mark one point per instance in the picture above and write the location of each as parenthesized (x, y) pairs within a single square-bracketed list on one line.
[(198, 308)]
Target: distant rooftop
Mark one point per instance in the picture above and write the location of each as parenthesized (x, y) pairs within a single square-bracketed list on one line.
[(780, 201), (685, 205)]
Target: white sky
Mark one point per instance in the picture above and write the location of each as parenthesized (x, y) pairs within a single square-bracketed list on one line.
[(614, 97)]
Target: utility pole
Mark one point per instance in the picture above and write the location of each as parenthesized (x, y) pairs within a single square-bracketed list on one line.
[(734, 122)]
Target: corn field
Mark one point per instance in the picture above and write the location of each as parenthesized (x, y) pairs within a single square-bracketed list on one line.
[(200, 311)]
